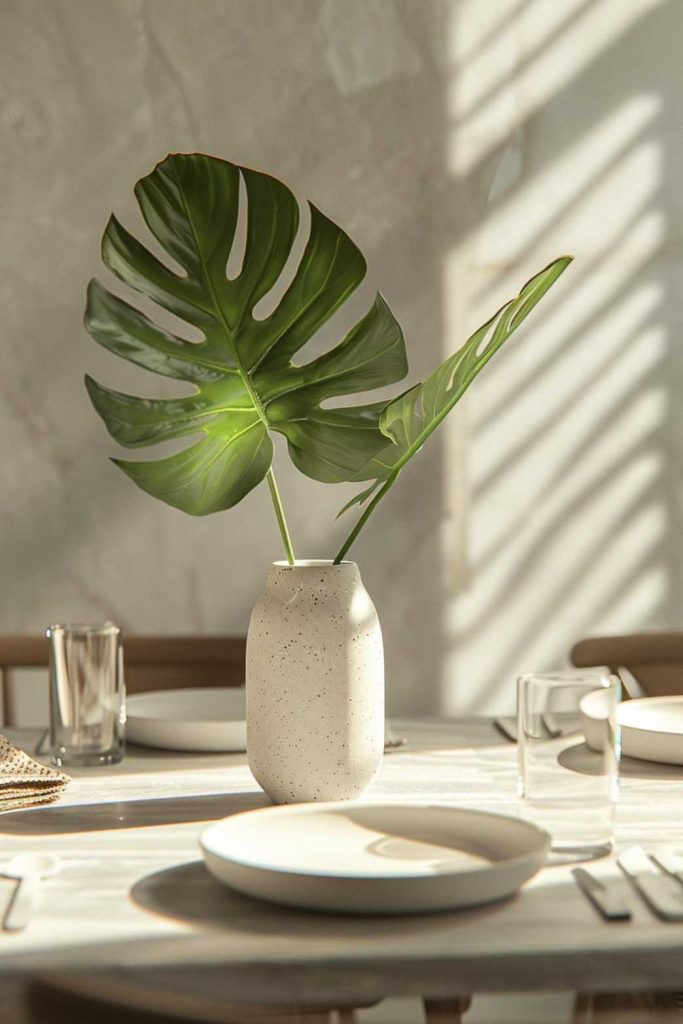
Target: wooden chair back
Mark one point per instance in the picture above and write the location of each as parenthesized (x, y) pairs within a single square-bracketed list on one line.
[(98, 999), (654, 659), (151, 662)]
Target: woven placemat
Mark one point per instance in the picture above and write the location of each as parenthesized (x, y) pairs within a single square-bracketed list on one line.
[(25, 782)]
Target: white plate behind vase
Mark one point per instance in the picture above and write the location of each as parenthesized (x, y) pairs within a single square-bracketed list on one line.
[(374, 858), (203, 720), (206, 720)]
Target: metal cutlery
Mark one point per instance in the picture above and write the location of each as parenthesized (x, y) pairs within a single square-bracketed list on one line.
[(28, 869), (391, 740), (553, 726), (604, 896), (507, 726), (662, 892), (669, 862), (657, 877)]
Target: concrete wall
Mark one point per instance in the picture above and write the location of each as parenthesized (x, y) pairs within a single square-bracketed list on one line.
[(462, 145)]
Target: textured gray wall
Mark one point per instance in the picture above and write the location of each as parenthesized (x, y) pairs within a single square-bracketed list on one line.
[(463, 144), (344, 102)]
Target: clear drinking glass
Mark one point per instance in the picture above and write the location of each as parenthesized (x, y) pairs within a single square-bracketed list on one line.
[(87, 694), (568, 758)]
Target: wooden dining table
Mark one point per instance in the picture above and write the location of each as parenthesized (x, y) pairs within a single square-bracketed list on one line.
[(134, 903)]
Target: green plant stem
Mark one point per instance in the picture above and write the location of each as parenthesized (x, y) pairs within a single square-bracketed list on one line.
[(506, 321), (389, 482), (407, 455), (280, 513), (391, 479)]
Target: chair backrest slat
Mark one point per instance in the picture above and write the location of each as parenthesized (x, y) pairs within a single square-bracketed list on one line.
[(151, 662), (7, 709), (654, 659)]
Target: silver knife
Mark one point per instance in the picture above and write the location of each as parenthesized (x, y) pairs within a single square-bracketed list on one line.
[(662, 893), (606, 900)]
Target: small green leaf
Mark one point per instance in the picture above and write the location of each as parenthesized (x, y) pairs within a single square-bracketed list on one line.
[(359, 499), (407, 421)]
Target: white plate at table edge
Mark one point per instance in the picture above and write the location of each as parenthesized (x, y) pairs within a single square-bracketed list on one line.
[(655, 739), (640, 739), (191, 719), (239, 852)]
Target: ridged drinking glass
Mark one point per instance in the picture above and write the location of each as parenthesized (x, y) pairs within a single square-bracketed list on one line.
[(568, 744), (87, 694)]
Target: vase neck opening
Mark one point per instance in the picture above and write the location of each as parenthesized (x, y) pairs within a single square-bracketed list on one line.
[(308, 572), (312, 563)]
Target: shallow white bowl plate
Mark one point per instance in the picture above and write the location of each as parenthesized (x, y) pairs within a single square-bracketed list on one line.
[(374, 858), (595, 710), (201, 720), (652, 729)]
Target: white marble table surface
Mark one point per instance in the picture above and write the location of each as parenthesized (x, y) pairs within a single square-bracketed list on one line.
[(134, 895)]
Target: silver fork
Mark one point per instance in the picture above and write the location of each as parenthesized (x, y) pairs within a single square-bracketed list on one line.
[(507, 725)]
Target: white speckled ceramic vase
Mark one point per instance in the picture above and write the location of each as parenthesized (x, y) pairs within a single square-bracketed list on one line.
[(315, 684)]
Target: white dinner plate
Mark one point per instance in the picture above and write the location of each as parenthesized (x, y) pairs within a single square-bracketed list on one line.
[(202, 720), (595, 708), (374, 858), (652, 729)]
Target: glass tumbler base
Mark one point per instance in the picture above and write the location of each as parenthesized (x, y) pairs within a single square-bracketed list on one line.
[(561, 853), (68, 759)]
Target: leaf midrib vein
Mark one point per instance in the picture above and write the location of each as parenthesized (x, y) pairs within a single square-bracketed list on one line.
[(203, 415), (326, 423)]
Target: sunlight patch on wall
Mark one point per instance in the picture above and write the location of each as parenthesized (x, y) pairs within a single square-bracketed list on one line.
[(571, 199), (523, 66), (589, 553), (558, 142)]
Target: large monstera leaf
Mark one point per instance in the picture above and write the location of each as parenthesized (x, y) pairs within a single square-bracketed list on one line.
[(245, 381), (408, 420)]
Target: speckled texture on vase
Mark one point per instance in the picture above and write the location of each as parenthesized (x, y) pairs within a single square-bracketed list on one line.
[(315, 684)]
